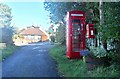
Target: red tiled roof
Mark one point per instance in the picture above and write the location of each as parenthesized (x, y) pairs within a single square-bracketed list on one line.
[(32, 31)]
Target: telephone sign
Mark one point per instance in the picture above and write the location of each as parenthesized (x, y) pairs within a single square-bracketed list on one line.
[(76, 14)]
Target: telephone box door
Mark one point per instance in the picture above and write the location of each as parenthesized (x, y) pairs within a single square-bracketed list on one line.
[(76, 35)]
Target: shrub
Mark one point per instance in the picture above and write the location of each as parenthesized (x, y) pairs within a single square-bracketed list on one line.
[(7, 51), (78, 68), (60, 35), (7, 33), (52, 38), (98, 51)]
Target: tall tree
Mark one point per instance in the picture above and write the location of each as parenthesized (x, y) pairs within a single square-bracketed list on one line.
[(5, 22), (58, 10), (60, 35), (111, 28), (5, 15)]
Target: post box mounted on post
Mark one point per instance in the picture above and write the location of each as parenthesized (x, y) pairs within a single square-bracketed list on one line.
[(76, 33), (90, 31)]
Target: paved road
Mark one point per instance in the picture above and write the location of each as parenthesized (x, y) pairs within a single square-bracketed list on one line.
[(32, 60)]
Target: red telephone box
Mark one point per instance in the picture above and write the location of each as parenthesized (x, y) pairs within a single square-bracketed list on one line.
[(90, 30), (75, 33)]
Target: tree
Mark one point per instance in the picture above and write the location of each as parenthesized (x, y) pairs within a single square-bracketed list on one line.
[(104, 15), (58, 10), (60, 35), (112, 20), (7, 33), (5, 15), (5, 21), (50, 30), (111, 28), (52, 37)]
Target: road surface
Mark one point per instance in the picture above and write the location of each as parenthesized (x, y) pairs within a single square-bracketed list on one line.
[(32, 60)]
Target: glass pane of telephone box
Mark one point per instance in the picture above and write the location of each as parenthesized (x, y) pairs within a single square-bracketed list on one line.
[(76, 35)]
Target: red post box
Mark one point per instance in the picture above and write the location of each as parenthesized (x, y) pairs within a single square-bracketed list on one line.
[(75, 33), (90, 30)]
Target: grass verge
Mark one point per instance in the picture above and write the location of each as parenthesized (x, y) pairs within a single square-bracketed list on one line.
[(4, 53), (77, 68)]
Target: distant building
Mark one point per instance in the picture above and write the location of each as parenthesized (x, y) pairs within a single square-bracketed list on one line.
[(32, 34)]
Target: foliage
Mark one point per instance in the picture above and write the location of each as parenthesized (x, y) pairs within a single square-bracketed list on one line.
[(7, 33), (98, 51), (77, 68), (5, 21), (0, 35), (50, 30), (5, 15), (58, 10), (52, 38), (112, 20), (111, 71), (60, 35), (67, 67), (7, 51), (92, 13), (109, 30), (15, 36)]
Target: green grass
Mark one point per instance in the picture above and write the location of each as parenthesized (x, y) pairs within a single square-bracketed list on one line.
[(106, 72), (7, 51), (68, 67), (77, 68)]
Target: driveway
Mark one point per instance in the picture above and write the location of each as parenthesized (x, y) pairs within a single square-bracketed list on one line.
[(32, 60)]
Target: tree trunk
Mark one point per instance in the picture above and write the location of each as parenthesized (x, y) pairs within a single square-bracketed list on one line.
[(104, 42), (101, 19), (96, 42), (101, 12)]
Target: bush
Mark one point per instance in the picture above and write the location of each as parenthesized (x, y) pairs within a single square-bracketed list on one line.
[(60, 35), (98, 51), (67, 67), (7, 33), (77, 68), (52, 38), (7, 51), (111, 71)]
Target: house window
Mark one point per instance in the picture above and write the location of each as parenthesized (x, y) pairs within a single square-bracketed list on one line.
[(39, 38), (32, 37)]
